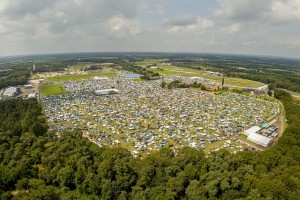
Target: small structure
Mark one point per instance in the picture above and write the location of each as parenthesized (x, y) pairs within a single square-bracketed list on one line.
[(259, 92), (253, 91), (97, 78), (28, 86), (11, 92), (31, 95), (260, 139), (106, 91)]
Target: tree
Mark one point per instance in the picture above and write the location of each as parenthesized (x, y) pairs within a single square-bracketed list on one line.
[(195, 191), (169, 86), (270, 93), (271, 86), (163, 84)]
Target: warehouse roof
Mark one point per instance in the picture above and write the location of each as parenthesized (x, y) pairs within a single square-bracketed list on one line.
[(10, 92), (260, 139), (251, 130)]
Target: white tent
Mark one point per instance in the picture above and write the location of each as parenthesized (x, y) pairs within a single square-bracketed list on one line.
[(100, 78), (260, 139), (251, 130), (106, 91)]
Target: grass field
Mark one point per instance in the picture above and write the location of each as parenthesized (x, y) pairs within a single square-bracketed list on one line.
[(78, 77), (231, 82), (49, 90)]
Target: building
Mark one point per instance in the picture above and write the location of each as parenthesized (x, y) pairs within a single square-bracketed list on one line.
[(106, 91), (265, 87), (259, 92), (97, 78), (260, 139), (31, 95), (213, 73), (254, 135), (254, 91), (11, 92), (253, 129), (28, 86)]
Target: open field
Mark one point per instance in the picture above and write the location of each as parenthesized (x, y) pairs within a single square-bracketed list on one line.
[(230, 82), (78, 76), (51, 90)]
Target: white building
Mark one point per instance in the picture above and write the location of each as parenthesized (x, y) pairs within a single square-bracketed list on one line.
[(260, 139), (28, 86), (10, 92), (253, 129), (106, 91), (97, 78), (32, 95)]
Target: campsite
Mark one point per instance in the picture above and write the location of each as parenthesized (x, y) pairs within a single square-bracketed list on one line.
[(143, 117)]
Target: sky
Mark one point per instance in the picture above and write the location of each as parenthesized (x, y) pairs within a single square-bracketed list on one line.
[(258, 27)]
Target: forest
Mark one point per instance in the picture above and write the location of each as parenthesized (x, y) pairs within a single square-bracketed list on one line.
[(37, 164), (13, 78)]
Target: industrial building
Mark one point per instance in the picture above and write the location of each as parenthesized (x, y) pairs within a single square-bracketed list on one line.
[(11, 92), (106, 91)]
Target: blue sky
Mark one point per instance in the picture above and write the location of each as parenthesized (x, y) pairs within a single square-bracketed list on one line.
[(268, 27)]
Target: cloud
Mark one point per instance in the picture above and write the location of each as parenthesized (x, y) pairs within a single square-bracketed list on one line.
[(266, 11), (122, 27), (18, 9), (285, 11), (182, 20), (243, 26), (36, 17), (186, 24)]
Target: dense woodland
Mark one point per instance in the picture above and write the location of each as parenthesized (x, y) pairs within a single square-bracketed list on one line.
[(36, 164), (13, 78)]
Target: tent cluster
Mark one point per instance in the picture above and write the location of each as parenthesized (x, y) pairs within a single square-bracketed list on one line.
[(144, 117)]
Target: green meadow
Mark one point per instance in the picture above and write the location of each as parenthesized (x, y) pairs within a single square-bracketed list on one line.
[(78, 76), (49, 90)]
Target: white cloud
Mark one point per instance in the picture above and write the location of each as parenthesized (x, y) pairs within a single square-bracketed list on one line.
[(266, 11), (184, 24), (231, 29), (283, 12), (122, 27), (181, 20), (243, 26)]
